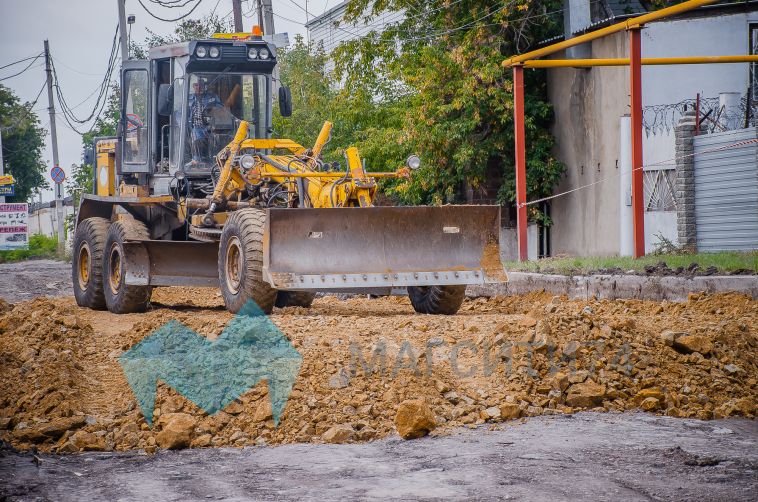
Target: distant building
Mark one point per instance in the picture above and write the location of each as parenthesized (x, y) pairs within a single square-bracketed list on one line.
[(330, 29)]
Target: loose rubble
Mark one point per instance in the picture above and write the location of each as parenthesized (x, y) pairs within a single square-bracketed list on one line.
[(373, 368)]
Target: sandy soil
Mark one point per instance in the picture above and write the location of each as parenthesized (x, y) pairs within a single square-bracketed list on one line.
[(500, 358)]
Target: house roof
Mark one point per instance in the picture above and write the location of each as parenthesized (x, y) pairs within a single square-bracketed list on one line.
[(327, 15), (618, 10)]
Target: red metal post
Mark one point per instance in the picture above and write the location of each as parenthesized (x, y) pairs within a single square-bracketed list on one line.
[(635, 88), (519, 134)]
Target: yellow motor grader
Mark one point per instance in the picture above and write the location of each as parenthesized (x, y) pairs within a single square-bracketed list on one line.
[(194, 191)]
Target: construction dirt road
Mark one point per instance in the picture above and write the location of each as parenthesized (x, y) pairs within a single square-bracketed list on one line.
[(497, 363)]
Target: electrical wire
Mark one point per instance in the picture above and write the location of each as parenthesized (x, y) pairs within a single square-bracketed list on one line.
[(102, 92), (627, 173), (29, 109), (24, 70), (19, 61), (171, 20)]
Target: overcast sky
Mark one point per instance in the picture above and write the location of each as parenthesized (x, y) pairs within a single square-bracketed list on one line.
[(80, 34)]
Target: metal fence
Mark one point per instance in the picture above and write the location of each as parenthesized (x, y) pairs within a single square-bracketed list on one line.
[(726, 191)]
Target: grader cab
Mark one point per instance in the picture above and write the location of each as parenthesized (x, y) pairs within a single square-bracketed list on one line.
[(194, 191)]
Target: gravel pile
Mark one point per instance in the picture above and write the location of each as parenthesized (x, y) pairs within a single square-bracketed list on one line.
[(372, 367)]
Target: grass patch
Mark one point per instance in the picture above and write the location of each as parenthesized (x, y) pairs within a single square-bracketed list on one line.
[(726, 262), (40, 246)]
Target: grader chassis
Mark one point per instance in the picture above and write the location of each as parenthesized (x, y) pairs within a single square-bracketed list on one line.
[(263, 219)]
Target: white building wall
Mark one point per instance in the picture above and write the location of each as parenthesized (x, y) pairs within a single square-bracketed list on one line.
[(44, 221)]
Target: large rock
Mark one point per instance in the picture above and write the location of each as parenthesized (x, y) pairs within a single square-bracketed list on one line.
[(263, 412), (57, 427), (414, 419), (338, 434), (644, 394), (87, 441), (509, 411), (177, 431), (694, 343), (587, 394)]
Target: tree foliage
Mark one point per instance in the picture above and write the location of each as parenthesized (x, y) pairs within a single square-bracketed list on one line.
[(433, 84), (23, 145)]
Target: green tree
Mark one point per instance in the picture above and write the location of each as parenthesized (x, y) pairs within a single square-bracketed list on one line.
[(440, 69), (358, 119), (23, 145)]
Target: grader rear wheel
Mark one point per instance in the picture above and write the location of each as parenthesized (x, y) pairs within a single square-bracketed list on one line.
[(87, 262), (120, 297), (240, 262), (436, 299)]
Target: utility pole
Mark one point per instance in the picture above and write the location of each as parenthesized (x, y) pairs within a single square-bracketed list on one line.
[(2, 164), (268, 17), (122, 30), (237, 9), (54, 139), (259, 8)]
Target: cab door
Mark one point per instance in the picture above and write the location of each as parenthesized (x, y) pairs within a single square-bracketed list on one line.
[(135, 117)]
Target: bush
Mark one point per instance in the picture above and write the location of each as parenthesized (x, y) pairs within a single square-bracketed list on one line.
[(40, 246)]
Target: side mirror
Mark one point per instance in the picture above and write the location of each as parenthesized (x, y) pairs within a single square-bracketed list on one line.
[(285, 101), (89, 155), (165, 99)]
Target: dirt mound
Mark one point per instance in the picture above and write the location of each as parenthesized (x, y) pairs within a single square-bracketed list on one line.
[(502, 358)]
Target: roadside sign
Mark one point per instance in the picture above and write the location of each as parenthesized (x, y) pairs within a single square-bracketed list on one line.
[(7, 185), (57, 174), (14, 231)]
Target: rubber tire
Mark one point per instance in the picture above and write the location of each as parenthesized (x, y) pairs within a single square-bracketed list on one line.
[(92, 232), (247, 226), (127, 298), (294, 299), (437, 299)]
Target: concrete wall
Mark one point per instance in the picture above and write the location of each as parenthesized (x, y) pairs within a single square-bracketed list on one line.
[(43, 221), (585, 101), (589, 102), (509, 243)]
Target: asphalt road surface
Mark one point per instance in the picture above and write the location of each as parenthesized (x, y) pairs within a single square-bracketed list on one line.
[(588, 456)]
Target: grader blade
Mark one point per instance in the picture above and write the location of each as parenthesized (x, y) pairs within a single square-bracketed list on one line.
[(375, 247)]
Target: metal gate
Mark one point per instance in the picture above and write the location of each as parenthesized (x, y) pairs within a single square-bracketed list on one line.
[(726, 191)]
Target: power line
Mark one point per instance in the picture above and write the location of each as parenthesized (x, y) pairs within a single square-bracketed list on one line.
[(101, 90), (163, 4), (19, 61), (24, 70), (29, 109)]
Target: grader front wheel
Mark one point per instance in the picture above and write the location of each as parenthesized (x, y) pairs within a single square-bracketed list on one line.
[(436, 299), (240, 262), (120, 297)]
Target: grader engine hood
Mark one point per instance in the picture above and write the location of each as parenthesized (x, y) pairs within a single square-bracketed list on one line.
[(379, 247)]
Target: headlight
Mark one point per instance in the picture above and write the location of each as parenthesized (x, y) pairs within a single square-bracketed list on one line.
[(414, 162), (214, 52), (252, 53), (201, 51), (265, 54), (247, 161)]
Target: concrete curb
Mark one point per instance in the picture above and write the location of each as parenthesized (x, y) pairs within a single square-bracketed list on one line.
[(611, 287)]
